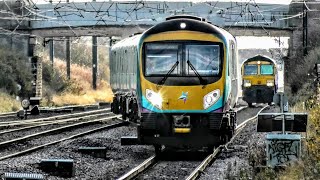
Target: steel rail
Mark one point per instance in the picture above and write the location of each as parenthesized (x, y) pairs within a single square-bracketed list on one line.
[(26, 122), (153, 159), (138, 169), (196, 173), (42, 124), (5, 143), (5, 115), (11, 114), (64, 139)]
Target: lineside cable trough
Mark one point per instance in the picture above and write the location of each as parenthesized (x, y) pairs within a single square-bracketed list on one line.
[(284, 141)]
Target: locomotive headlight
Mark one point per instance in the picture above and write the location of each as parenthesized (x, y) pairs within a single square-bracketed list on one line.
[(211, 98), (270, 83), (154, 98), (246, 83), (183, 25)]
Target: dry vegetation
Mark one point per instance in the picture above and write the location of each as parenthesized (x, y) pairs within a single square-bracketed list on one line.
[(8, 103), (78, 89)]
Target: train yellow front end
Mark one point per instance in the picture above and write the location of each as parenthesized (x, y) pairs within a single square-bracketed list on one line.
[(259, 80), (186, 84)]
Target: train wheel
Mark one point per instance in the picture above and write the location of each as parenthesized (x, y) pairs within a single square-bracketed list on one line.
[(157, 149)]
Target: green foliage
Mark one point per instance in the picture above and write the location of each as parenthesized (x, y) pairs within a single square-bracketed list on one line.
[(15, 72)]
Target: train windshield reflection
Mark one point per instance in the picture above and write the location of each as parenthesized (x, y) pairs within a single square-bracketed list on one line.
[(250, 69), (205, 59), (160, 57), (266, 69)]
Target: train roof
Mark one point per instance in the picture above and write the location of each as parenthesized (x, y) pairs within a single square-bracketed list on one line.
[(260, 57), (127, 42), (193, 23)]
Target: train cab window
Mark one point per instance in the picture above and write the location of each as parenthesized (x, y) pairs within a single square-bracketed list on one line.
[(266, 69), (250, 69), (204, 58), (160, 58)]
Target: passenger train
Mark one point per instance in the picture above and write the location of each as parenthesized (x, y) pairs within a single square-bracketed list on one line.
[(179, 82), (259, 80)]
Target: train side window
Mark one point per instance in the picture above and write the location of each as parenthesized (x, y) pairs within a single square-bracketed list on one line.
[(234, 59), (232, 56)]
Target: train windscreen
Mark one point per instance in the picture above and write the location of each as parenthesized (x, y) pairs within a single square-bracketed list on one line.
[(250, 69), (266, 69), (204, 58), (160, 58)]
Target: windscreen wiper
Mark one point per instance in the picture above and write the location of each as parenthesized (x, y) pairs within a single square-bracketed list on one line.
[(163, 80), (202, 81)]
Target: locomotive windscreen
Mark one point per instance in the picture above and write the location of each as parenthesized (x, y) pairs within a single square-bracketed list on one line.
[(250, 69), (266, 69), (159, 58)]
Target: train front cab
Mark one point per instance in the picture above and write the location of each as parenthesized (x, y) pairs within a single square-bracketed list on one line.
[(259, 83), (187, 110)]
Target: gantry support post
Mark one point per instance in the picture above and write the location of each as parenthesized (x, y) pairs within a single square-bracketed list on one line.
[(94, 62), (51, 47), (68, 55), (305, 30)]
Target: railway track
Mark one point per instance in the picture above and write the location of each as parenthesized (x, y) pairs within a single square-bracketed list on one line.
[(199, 166), (60, 122), (30, 122), (29, 143), (7, 115), (41, 126), (45, 110)]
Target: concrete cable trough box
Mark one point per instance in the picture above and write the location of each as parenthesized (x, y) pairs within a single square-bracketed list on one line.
[(58, 167)]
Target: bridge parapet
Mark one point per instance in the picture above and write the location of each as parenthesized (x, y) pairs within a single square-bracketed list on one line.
[(225, 14)]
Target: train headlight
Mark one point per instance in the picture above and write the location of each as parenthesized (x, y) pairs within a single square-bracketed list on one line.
[(154, 98), (211, 98), (270, 83), (246, 83), (183, 25)]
